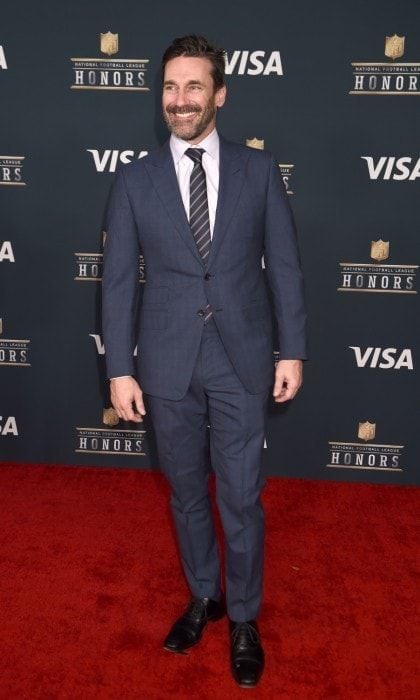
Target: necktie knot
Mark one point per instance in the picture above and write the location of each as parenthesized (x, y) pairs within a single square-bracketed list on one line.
[(195, 154)]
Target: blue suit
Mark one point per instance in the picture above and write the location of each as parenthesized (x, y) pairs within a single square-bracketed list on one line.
[(192, 372)]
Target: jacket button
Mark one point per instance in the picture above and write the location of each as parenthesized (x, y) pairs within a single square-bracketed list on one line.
[(200, 312), (207, 276)]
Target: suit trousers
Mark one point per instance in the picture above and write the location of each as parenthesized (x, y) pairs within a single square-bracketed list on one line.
[(220, 419)]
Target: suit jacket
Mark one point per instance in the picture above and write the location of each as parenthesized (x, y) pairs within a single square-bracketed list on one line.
[(253, 217)]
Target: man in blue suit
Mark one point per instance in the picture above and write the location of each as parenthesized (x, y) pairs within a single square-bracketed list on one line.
[(203, 211)]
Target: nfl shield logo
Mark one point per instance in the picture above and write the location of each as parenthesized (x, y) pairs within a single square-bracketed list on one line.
[(394, 46), (255, 143), (110, 417), (379, 250), (366, 431), (109, 43)]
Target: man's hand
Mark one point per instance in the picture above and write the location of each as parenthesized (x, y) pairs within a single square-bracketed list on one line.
[(288, 379), (124, 392)]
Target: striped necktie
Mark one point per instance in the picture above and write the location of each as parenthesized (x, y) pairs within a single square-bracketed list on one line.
[(199, 208), (199, 211)]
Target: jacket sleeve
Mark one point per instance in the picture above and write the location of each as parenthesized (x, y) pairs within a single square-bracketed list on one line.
[(120, 281), (283, 268)]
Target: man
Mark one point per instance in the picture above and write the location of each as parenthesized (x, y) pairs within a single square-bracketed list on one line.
[(203, 210)]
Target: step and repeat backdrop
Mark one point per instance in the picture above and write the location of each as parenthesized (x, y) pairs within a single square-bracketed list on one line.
[(333, 90)]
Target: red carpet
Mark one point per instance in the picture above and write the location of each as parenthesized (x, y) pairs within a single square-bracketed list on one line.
[(90, 583)]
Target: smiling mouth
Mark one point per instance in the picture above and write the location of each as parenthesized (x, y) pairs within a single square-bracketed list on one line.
[(184, 115)]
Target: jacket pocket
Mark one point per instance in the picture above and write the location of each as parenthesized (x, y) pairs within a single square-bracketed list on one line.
[(153, 318), (257, 310), (155, 295)]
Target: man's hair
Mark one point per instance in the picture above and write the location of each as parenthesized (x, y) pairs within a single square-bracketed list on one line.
[(197, 46)]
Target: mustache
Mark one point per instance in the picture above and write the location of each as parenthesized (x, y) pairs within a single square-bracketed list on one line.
[(182, 110)]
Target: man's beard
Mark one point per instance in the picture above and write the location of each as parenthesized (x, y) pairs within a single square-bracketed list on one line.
[(190, 131)]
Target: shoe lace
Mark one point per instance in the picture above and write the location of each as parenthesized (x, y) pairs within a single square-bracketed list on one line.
[(244, 633)]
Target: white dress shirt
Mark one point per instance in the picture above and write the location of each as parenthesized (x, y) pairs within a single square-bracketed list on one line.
[(183, 168)]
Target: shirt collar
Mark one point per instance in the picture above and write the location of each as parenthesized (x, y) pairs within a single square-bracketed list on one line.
[(210, 144)]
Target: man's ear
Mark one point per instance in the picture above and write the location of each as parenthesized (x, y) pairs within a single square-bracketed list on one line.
[(220, 96)]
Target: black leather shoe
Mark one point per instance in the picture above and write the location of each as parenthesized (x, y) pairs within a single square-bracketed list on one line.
[(247, 654), (188, 628)]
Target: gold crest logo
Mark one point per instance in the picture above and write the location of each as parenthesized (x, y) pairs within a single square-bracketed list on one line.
[(110, 417), (255, 143), (109, 43), (394, 46), (366, 431), (379, 250)]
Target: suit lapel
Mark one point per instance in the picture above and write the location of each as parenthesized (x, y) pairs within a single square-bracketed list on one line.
[(162, 172), (231, 179), (231, 176)]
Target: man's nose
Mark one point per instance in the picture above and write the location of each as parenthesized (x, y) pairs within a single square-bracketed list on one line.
[(181, 97)]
